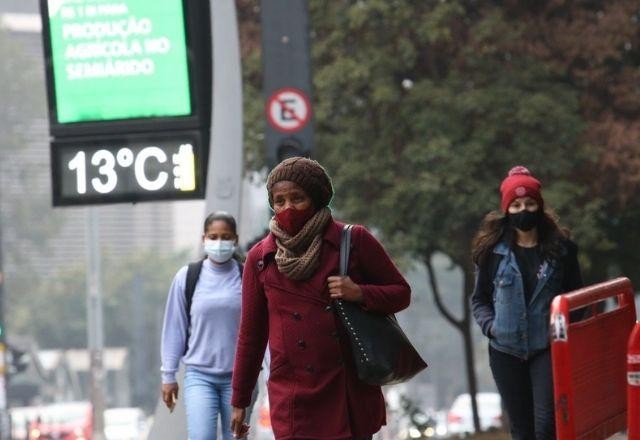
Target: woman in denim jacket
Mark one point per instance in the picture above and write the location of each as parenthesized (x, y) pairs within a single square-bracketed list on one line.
[(524, 258)]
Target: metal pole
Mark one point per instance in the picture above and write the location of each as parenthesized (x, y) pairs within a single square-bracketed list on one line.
[(5, 425), (94, 323), (225, 168), (286, 79)]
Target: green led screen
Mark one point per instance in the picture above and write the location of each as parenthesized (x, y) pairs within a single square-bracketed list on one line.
[(118, 59)]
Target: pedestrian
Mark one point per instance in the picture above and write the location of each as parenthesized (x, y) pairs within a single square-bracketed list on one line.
[(524, 258), (289, 282), (202, 332)]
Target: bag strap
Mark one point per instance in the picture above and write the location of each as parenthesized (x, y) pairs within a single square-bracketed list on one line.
[(345, 247)]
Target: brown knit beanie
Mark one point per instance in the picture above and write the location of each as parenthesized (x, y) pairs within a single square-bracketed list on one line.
[(307, 173)]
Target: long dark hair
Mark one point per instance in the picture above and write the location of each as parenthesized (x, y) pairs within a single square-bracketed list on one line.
[(495, 228)]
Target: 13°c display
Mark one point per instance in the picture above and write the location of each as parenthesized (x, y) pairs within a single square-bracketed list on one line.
[(133, 169)]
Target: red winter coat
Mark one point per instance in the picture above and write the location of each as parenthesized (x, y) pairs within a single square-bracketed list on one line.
[(314, 392)]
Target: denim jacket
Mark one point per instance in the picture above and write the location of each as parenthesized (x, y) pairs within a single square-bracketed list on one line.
[(514, 327)]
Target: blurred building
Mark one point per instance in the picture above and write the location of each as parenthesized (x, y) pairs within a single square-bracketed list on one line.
[(63, 376)]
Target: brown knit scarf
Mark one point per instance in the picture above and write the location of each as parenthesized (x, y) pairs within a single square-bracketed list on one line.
[(298, 256)]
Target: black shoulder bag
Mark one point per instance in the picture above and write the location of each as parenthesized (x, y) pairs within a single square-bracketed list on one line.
[(382, 352)]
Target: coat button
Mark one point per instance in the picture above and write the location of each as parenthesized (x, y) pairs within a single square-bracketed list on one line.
[(297, 316), (309, 368), (260, 265), (328, 308), (340, 361), (335, 334), (302, 344)]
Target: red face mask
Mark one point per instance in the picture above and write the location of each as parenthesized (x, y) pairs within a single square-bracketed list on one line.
[(292, 220)]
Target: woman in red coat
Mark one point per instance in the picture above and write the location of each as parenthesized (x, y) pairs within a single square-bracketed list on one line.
[(289, 282)]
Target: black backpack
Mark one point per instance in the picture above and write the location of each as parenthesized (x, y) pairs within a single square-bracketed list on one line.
[(193, 274)]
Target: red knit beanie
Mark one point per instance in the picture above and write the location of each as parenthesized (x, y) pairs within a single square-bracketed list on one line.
[(519, 183)]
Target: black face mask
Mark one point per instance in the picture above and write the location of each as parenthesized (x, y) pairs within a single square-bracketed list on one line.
[(525, 220)]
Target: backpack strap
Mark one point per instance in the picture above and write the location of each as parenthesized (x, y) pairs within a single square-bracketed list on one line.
[(193, 273)]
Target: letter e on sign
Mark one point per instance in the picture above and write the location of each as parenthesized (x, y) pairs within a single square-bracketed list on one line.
[(288, 110)]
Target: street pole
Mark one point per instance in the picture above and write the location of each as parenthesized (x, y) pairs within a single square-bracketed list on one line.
[(287, 79), (5, 424), (94, 322), (225, 167)]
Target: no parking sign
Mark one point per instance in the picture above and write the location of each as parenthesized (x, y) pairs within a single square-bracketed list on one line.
[(288, 110)]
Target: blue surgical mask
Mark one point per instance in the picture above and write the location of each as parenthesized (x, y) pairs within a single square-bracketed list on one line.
[(220, 251)]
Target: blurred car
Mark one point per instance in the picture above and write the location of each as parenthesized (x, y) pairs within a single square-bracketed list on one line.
[(460, 417), (125, 424), (63, 421)]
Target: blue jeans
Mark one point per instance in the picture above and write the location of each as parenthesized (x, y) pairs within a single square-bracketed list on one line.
[(207, 397)]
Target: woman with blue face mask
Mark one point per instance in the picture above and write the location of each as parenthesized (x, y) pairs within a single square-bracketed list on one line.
[(202, 332)]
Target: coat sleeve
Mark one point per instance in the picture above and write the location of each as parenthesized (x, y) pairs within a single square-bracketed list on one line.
[(252, 335), (482, 298), (384, 290)]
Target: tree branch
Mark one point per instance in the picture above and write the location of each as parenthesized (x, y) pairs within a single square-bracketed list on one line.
[(437, 297)]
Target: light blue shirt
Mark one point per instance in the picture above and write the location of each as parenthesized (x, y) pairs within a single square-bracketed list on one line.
[(215, 318)]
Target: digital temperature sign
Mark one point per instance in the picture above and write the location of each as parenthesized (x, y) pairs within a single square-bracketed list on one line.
[(129, 93), (132, 168)]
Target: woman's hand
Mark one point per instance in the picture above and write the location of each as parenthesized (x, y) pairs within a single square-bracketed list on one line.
[(238, 427), (170, 395), (342, 287)]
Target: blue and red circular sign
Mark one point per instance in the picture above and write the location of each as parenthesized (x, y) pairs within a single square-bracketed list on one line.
[(288, 110)]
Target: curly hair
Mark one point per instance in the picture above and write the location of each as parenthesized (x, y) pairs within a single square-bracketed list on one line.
[(495, 227)]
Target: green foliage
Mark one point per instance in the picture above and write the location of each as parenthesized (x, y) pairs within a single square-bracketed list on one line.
[(255, 153), (54, 312), (146, 275), (421, 112), (63, 298), (27, 222), (134, 296)]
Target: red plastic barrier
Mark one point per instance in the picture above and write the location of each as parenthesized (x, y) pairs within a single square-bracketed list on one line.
[(633, 384), (589, 361)]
